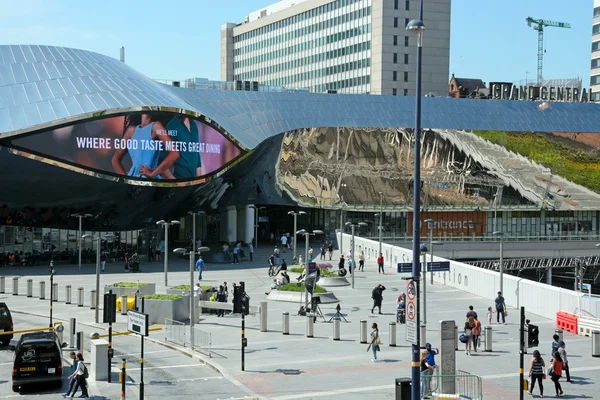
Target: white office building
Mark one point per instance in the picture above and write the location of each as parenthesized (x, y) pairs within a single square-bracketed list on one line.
[(595, 66), (348, 46)]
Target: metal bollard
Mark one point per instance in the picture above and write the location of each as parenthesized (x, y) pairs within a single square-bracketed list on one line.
[(124, 304), (525, 340), (54, 292), (42, 290), (310, 325), (29, 287), (456, 338), (72, 332), (15, 286), (559, 332), (2, 284), (68, 294), (423, 329), (595, 343), (363, 331), (93, 300), (80, 342), (80, 297), (392, 334), (488, 338), (285, 323), (263, 316), (336, 328)]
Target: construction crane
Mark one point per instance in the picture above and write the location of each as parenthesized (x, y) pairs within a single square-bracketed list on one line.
[(538, 25)]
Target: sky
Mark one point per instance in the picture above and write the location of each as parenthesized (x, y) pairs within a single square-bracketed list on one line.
[(490, 40)]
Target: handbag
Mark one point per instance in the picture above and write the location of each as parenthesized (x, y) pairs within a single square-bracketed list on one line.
[(550, 371), (463, 338), (377, 341)]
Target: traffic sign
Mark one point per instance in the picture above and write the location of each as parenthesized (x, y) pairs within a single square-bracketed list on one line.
[(404, 268), (411, 312), (411, 290), (438, 266), (137, 322)]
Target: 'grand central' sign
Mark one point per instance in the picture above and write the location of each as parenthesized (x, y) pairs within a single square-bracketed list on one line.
[(508, 91)]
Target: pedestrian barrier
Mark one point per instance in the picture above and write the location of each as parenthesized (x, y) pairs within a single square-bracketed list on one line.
[(392, 338), (29, 287), (310, 325), (2, 284), (68, 294), (567, 322), (466, 386), (54, 292), (15, 286), (93, 300), (285, 323), (178, 332), (336, 328), (363, 331), (80, 297), (587, 325), (72, 332), (42, 290)]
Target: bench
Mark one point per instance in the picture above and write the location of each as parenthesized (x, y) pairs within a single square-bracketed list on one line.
[(215, 305)]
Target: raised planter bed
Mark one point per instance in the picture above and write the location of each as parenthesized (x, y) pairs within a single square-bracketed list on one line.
[(333, 282), (174, 306), (297, 297), (184, 290), (130, 288)]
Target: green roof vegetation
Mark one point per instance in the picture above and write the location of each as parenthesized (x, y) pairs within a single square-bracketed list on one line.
[(163, 297), (130, 284)]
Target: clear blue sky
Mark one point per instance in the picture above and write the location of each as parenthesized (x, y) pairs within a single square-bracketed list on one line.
[(181, 39)]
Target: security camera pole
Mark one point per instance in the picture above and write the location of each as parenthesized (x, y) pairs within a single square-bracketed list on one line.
[(98, 240), (295, 214), (166, 265), (352, 247)]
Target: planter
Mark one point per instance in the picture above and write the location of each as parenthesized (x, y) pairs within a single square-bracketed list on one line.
[(130, 291), (159, 310), (204, 294), (333, 282), (297, 297)]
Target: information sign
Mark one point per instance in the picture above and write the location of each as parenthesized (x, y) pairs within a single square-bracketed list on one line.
[(404, 268), (137, 322)]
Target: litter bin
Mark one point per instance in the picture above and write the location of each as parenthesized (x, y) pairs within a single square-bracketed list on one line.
[(403, 388), (595, 343)]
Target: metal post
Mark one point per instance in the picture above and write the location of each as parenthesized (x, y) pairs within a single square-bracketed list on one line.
[(263, 316), (380, 222), (124, 304), (192, 299), (15, 290), (310, 325), (54, 292), (93, 304), (456, 337), (488, 338), (424, 301), (502, 263), (363, 331), (97, 293), (29, 287), (243, 334), (2, 284), (142, 355), (295, 230), (352, 258), (336, 328), (80, 297), (72, 332), (167, 253), (68, 294), (342, 226), (431, 250), (285, 323), (423, 335), (79, 240), (307, 236), (42, 290), (256, 229), (123, 377), (521, 353), (392, 338), (110, 351)]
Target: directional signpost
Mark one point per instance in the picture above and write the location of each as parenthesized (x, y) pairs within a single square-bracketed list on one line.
[(436, 266), (137, 322), (411, 312), (405, 268)]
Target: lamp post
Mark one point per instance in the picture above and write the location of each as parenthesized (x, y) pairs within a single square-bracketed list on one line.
[(256, 210), (79, 237), (501, 234), (380, 222), (417, 26), (431, 243), (193, 214), (343, 185), (307, 235), (192, 255), (295, 214), (353, 248), (98, 240), (167, 225)]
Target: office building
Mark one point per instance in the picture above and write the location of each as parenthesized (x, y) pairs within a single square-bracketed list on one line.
[(595, 59), (343, 46)]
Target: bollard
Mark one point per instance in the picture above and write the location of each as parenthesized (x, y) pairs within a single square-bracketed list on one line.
[(336, 328), (285, 323), (72, 332), (310, 325), (595, 343), (80, 297), (124, 304), (559, 332), (42, 290), (525, 340), (54, 292), (392, 334), (423, 335), (363, 331), (68, 294), (15, 286), (123, 378), (488, 338), (456, 338), (263, 316), (93, 300), (29, 287), (2, 284), (80, 342)]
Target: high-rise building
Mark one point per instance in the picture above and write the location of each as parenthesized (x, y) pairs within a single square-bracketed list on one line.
[(595, 66), (346, 46)]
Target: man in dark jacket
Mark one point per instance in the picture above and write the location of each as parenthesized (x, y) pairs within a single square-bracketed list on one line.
[(377, 296), (221, 298)]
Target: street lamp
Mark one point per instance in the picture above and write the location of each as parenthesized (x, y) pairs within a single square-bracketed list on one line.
[(432, 243), (307, 235), (501, 234), (342, 220), (80, 216), (380, 221), (98, 240), (423, 250), (295, 214), (193, 214), (417, 26), (352, 247), (256, 209), (192, 255), (167, 225)]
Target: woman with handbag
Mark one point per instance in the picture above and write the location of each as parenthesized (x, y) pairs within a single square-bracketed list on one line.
[(375, 341), (556, 373), (536, 372), (468, 332), (476, 333)]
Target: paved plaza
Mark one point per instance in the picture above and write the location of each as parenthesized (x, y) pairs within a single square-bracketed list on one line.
[(281, 367)]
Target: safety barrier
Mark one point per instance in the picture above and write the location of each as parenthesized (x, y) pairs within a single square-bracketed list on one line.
[(465, 386), (586, 326), (567, 322), (202, 342), (179, 333)]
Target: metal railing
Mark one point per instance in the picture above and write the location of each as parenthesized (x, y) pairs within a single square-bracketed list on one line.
[(179, 333), (465, 386)]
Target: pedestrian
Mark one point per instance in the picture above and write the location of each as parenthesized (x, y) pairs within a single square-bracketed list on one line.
[(226, 251), (489, 315), (468, 331), (380, 263), (536, 372), (426, 371), (330, 250), (284, 242), (103, 260), (476, 333), (236, 252), (221, 298), (556, 373), (377, 296), (310, 253), (361, 261), (79, 376), (276, 254), (71, 380), (471, 313), (323, 251), (250, 250), (431, 354), (563, 355), (157, 252), (350, 265), (200, 267), (375, 341), (500, 308), (342, 262), (555, 344), (197, 290)]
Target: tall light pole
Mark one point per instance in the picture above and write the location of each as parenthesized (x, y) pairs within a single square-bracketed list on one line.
[(98, 240), (417, 26), (307, 235), (501, 234), (352, 247), (380, 222), (192, 255), (256, 210), (79, 237), (295, 214), (193, 214), (167, 225), (432, 243), (423, 249), (342, 221)]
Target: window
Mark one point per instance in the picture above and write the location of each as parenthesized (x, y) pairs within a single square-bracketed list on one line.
[(405, 41), (406, 92), (394, 92), (395, 58), (406, 59), (406, 21), (407, 5), (595, 46), (595, 80), (395, 76), (597, 12), (395, 4), (596, 63), (395, 22), (405, 76), (596, 29), (395, 40)]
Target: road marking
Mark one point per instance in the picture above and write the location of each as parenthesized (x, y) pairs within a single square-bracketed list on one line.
[(145, 352), (168, 367), (333, 392)]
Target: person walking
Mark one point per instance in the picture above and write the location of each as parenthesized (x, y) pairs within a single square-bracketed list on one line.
[(342, 262), (375, 341), (284, 242), (103, 260), (330, 250), (323, 249), (79, 376), (563, 355), (471, 313), (361, 261), (500, 308), (236, 252), (555, 344), (200, 267), (250, 250), (468, 331), (556, 373), (221, 298), (377, 296), (536, 372), (426, 371), (71, 380), (489, 315), (380, 263), (476, 333)]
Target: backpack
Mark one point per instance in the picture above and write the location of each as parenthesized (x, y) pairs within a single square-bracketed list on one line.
[(86, 373)]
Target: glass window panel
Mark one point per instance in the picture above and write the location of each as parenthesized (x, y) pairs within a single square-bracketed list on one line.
[(59, 108), (5, 122), (99, 83), (44, 89), (30, 73), (98, 102), (17, 117), (17, 54), (7, 55), (57, 53), (72, 70), (62, 70), (8, 78), (46, 111), (6, 99), (37, 53), (51, 69), (79, 85), (110, 100), (85, 103), (56, 88), (72, 105), (19, 95), (47, 53), (41, 71), (32, 114), (68, 86), (19, 73), (28, 54)]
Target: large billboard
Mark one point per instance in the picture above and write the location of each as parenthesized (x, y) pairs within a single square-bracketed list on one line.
[(142, 146)]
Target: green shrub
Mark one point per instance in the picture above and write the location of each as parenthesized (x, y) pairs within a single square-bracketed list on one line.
[(130, 284), (325, 273), (163, 296), (187, 287), (297, 270), (293, 287)]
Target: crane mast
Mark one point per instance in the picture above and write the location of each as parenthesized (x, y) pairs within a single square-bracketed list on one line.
[(538, 25)]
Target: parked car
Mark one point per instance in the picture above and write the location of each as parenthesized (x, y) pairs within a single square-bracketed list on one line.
[(6, 324), (38, 361)]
